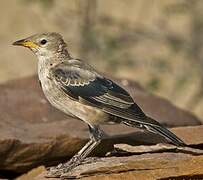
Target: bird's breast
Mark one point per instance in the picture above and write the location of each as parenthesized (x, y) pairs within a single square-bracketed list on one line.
[(59, 99)]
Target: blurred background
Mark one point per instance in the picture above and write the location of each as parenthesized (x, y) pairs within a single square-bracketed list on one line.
[(156, 43)]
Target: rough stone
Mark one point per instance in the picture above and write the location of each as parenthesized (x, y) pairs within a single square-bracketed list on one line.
[(145, 166)]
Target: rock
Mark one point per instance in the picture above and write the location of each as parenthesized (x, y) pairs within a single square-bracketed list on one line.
[(125, 148), (34, 133), (32, 174), (145, 166)]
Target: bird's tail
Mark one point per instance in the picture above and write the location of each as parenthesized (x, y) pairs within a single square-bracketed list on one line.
[(158, 129)]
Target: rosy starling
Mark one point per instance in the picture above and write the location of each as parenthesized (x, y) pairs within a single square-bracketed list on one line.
[(74, 87)]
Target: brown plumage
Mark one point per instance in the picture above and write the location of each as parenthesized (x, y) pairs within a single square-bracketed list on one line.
[(74, 87)]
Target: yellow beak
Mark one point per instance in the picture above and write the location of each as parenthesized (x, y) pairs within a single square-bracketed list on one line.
[(25, 43)]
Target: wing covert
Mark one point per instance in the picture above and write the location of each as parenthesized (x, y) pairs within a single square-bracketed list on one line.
[(82, 82)]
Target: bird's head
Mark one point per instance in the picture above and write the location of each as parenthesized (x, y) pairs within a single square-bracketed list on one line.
[(45, 44)]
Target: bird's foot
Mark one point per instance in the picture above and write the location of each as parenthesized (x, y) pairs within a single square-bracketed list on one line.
[(54, 172), (62, 169)]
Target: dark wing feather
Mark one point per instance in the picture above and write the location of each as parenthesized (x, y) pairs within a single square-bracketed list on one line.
[(80, 81), (83, 84)]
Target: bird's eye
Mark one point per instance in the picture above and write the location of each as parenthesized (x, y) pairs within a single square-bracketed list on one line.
[(43, 41)]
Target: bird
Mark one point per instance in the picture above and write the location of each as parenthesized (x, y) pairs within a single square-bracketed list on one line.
[(77, 89)]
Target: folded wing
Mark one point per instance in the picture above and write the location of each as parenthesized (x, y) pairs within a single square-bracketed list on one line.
[(82, 83)]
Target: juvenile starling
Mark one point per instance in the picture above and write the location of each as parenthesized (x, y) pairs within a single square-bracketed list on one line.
[(77, 89)]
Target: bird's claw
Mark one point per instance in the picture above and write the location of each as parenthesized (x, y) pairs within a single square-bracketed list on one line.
[(54, 172), (61, 170)]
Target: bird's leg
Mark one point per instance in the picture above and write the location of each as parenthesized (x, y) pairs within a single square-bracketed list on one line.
[(95, 139)]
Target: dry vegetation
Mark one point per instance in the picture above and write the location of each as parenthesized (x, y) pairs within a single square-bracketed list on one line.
[(157, 43)]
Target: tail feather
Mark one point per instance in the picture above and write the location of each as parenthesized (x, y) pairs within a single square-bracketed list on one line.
[(157, 129), (166, 134)]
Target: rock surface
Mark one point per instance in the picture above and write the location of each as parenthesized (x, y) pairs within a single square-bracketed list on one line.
[(146, 166), (34, 133), (160, 161)]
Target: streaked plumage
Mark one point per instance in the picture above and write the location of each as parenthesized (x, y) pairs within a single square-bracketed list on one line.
[(75, 88), (82, 83)]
